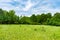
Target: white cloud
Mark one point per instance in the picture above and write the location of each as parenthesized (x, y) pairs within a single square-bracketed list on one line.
[(28, 6)]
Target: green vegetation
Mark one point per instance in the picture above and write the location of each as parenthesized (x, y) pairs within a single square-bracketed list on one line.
[(29, 32), (9, 17)]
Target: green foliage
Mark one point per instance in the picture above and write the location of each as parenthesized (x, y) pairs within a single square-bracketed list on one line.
[(25, 20), (55, 20), (43, 18), (9, 17), (33, 18)]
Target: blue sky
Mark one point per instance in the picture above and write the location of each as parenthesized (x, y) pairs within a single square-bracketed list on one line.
[(29, 7)]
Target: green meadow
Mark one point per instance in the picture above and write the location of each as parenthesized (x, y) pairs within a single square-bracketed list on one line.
[(29, 32)]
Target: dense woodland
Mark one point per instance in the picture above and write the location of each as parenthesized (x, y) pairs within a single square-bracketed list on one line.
[(9, 17)]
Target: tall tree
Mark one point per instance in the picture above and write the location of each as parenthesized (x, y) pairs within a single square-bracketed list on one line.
[(33, 18), (1, 16), (43, 18), (55, 20), (12, 17)]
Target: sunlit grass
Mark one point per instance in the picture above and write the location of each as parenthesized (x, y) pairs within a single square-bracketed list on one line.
[(29, 32)]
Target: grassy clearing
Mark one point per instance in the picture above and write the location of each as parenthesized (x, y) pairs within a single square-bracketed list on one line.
[(29, 32)]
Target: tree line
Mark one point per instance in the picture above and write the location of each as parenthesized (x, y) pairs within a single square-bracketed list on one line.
[(9, 17)]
